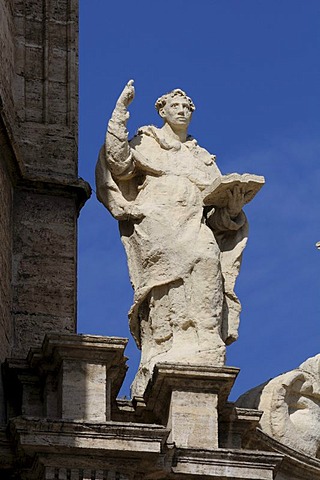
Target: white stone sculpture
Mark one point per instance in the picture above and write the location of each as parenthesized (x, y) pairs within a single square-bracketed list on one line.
[(291, 407), (183, 255)]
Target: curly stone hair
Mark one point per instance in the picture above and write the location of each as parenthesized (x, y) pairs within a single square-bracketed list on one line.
[(160, 103)]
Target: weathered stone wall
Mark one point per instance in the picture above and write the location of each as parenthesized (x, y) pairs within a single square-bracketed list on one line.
[(6, 75), (45, 215), (46, 85), (6, 54), (5, 261), (40, 190), (6, 328), (44, 268)]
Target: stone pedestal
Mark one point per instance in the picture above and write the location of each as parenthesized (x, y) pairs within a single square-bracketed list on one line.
[(193, 420), (91, 370), (187, 399), (225, 465), (72, 377)]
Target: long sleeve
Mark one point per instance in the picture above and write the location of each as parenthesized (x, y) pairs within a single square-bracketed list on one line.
[(219, 220), (117, 149)]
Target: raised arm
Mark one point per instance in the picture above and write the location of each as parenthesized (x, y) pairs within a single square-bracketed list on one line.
[(117, 149)]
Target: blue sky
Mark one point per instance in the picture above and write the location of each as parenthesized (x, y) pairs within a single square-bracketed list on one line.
[(252, 68)]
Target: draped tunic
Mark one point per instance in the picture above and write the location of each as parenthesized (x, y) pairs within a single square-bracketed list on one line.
[(156, 193)]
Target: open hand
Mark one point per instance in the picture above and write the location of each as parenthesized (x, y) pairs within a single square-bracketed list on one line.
[(236, 200), (127, 94)]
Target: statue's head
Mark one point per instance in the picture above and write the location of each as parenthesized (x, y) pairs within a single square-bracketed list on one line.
[(175, 108)]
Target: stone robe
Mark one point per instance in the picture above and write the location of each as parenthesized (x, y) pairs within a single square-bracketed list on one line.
[(183, 257)]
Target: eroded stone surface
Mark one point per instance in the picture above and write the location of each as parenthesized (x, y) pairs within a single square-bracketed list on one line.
[(40, 195), (183, 257), (291, 406), (44, 263), (45, 86)]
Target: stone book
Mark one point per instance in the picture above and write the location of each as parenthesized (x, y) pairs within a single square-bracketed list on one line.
[(217, 193)]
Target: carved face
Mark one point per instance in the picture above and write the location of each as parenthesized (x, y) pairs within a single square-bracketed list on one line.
[(291, 407), (304, 414), (177, 112)]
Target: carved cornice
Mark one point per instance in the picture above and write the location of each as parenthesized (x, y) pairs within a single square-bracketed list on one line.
[(10, 155)]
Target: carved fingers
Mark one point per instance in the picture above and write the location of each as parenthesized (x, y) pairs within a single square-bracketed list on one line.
[(236, 200), (127, 94)]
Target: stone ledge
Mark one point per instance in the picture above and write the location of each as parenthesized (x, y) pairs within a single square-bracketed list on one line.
[(60, 185), (131, 448), (56, 346), (78, 188), (36, 435), (226, 464), (295, 464)]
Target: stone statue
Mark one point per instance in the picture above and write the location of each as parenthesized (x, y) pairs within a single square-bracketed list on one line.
[(183, 256), (291, 407)]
